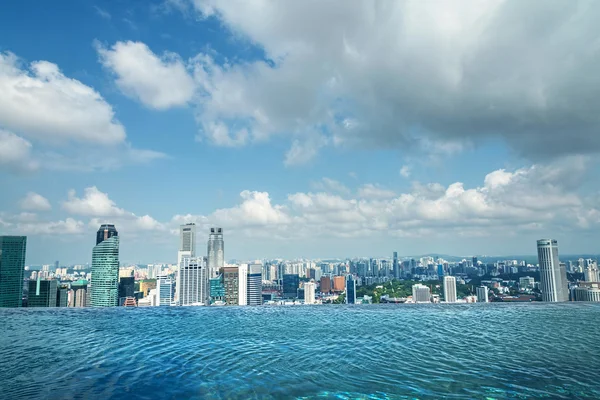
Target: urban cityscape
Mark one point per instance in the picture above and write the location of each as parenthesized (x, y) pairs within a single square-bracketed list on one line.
[(207, 280)]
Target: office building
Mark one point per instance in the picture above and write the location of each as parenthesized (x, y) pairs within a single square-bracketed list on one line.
[(105, 268), (12, 267), (146, 285), (231, 285), (291, 283), (217, 290), (126, 288), (309, 292), (591, 274), (553, 274), (339, 283), (216, 251), (450, 289), (526, 282), (42, 293), (396, 266), (187, 242), (192, 282), (325, 286), (80, 298), (62, 295), (350, 290), (165, 291), (421, 294), (243, 285), (254, 286), (482, 294), (586, 291)]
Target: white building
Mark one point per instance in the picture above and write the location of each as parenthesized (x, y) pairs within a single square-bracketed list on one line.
[(450, 289), (553, 274), (243, 284), (591, 274), (165, 291), (586, 292), (309, 292), (192, 282), (187, 242), (216, 252), (482, 294), (526, 282), (421, 293)]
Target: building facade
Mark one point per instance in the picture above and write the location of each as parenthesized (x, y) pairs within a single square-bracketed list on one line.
[(231, 285), (339, 283), (421, 293), (215, 251), (12, 267), (192, 282), (553, 274), (325, 286), (165, 291), (291, 283), (243, 285), (254, 286), (586, 291), (350, 290), (309, 292), (187, 242), (482, 294), (42, 293), (126, 288), (450, 289), (105, 268)]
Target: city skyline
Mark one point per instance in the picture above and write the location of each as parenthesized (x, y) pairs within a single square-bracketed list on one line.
[(174, 113)]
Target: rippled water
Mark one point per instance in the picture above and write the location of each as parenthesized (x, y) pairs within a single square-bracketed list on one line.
[(492, 351)]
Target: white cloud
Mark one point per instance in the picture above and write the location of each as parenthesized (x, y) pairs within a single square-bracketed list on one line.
[(158, 82), (15, 153), (331, 185), (370, 190), (302, 152), (103, 13), (93, 203), (40, 102), (35, 202), (405, 171)]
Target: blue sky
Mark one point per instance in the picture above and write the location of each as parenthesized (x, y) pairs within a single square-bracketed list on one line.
[(305, 129)]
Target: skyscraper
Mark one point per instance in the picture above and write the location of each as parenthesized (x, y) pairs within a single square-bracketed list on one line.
[(291, 282), (126, 288), (231, 285), (187, 242), (482, 294), (165, 291), (421, 293), (395, 266), (192, 282), (350, 290), (254, 291), (309, 292), (12, 266), (325, 284), (105, 268), (553, 275), (243, 285), (216, 251), (42, 293), (450, 289)]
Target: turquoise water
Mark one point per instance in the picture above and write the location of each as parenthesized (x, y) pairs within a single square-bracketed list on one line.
[(480, 351)]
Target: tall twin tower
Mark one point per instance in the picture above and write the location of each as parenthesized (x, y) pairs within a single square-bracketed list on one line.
[(215, 251)]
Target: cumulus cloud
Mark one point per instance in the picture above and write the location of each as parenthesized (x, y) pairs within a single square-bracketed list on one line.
[(39, 102), (370, 190), (405, 171), (15, 153), (331, 185), (35, 202), (159, 82), (411, 74), (93, 203)]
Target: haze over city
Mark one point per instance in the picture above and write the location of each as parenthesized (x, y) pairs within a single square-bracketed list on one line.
[(305, 129)]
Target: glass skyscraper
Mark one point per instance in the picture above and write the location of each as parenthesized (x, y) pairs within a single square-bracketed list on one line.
[(350, 290), (290, 285), (42, 293), (216, 252), (12, 265), (105, 268), (254, 284)]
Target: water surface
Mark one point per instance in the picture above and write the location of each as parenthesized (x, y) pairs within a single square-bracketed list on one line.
[(480, 351)]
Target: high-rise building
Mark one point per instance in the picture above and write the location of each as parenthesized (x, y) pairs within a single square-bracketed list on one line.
[(421, 293), (482, 294), (450, 289), (165, 291), (254, 286), (105, 268), (396, 266), (553, 275), (42, 293), (106, 231), (243, 285), (325, 284), (12, 266), (526, 282), (291, 282), (80, 298), (475, 261), (62, 295), (216, 251), (586, 291), (192, 282), (146, 285), (309, 292), (350, 290), (187, 242), (126, 288), (591, 274), (231, 285), (217, 290), (339, 283)]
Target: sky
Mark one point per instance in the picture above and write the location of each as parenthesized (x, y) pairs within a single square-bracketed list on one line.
[(305, 129)]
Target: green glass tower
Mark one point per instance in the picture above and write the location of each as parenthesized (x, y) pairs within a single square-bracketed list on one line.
[(105, 269), (12, 265), (42, 293)]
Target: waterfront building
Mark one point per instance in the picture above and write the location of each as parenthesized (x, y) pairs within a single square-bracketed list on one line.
[(231, 285), (192, 282), (165, 291), (325, 286), (309, 292), (421, 293), (254, 285), (216, 252), (450, 289), (12, 267), (291, 282), (42, 293), (526, 282), (217, 290), (350, 290), (553, 274), (339, 283), (105, 268), (482, 294)]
